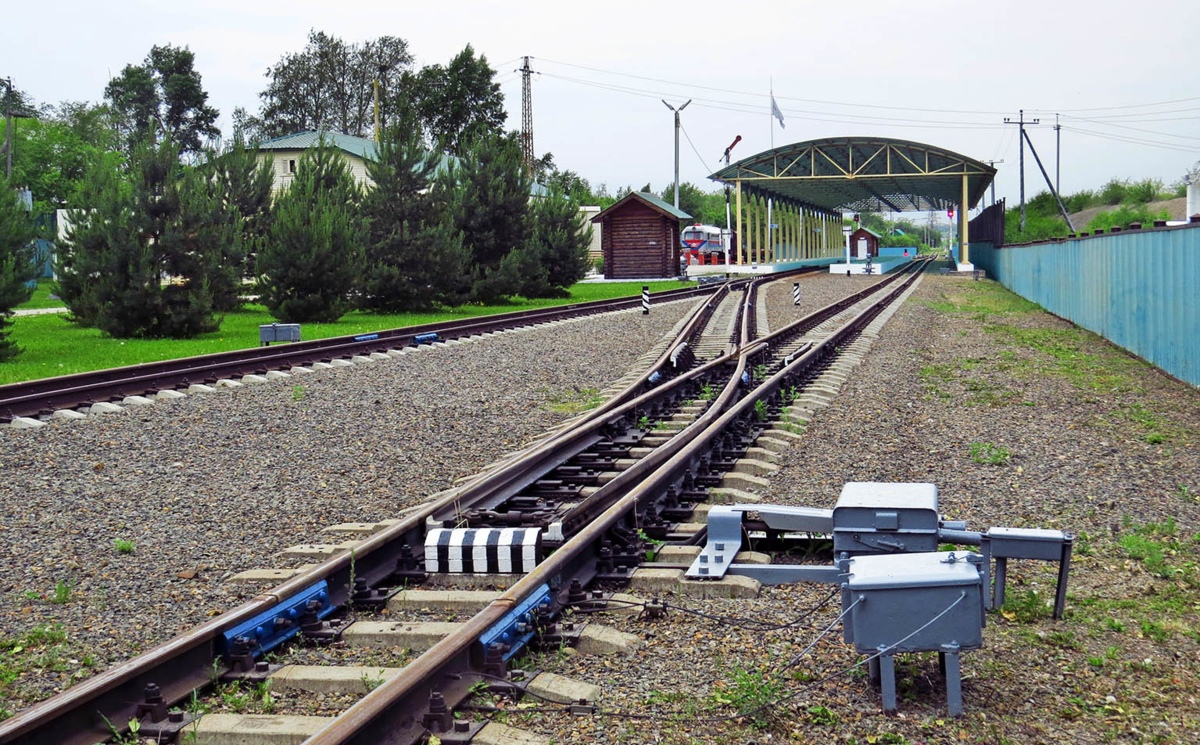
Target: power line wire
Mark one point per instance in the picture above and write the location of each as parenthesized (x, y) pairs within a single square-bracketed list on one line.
[(1135, 141), (1114, 108), (694, 150), (767, 95), (1135, 129)]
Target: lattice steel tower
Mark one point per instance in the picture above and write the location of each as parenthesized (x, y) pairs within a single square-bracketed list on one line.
[(527, 118)]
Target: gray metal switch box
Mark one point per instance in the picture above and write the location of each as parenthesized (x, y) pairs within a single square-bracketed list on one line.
[(877, 518), (920, 602), (275, 332)]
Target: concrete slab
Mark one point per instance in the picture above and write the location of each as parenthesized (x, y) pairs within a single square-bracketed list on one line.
[(731, 495), (726, 587), (467, 601), (341, 363), (24, 422), (67, 414), (395, 353), (227, 383), (595, 639), (353, 528), (361, 359), (103, 407), (563, 690), (276, 375), (137, 401), (494, 733), (754, 467), (321, 366), (651, 580), (745, 481), (321, 679), (299, 370), (677, 555), (417, 636), (200, 388), (257, 576), (761, 454), (378, 356), (255, 729), (317, 550), (252, 379), (169, 394), (773, 444)]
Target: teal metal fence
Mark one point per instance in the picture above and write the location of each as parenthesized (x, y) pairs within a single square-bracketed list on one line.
[(1138, 289)]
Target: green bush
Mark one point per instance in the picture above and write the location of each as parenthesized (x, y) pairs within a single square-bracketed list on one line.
[(1124, 215), (17, 265)]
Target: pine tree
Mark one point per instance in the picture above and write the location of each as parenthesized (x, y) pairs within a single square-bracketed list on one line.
[(414, 258), (17, 263), (559, 246), (313, 257), (491, 209), (132, 266), (245, 186), (209, 240)]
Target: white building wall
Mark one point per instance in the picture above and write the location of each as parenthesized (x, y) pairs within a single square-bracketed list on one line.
[(282, 168)]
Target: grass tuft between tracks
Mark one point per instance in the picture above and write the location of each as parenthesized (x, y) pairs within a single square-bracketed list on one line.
[(55, 346)]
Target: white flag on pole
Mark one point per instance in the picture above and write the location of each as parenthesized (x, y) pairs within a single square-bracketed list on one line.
[(775, 112)]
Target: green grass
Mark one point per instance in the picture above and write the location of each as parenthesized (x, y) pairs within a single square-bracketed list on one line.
[(41, 297), (989, 454), (55, 346)]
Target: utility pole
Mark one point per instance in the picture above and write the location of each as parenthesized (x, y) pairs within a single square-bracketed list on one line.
[(993, 163), (527, 118), (1057, 153), (382, 71), (1021, 135), (8, 138), (681, 108), (728, 225)]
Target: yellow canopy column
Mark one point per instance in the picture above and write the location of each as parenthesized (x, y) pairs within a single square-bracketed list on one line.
[(963, 229)]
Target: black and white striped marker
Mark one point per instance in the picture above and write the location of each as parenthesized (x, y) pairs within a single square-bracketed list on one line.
[(482, 550), (795, 293), (645, 300)]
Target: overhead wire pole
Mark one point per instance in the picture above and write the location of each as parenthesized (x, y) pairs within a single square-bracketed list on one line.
[(993, 163), (8, 130), (1057, 153), (527, 118), (728, 224), (1021, 136), (681, 108), (1053, 190)]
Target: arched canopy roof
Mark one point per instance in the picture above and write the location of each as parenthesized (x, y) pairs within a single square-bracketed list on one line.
[(871, 174)]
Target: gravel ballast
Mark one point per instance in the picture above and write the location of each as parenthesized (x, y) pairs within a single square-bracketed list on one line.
[(212, 484)]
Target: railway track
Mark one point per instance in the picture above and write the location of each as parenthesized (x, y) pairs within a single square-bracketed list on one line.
[(41, 398), (590, 494)]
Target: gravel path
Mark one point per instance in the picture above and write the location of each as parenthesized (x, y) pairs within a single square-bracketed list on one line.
[(214, 484), (1098, 444)]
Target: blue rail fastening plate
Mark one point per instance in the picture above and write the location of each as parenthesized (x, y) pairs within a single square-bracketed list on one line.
[(273, 627), (517, 626)]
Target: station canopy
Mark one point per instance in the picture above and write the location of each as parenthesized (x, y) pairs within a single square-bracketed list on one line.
[(862, 174)]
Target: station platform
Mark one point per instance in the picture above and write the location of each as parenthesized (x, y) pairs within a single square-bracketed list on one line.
[(879, 265), (742, 270)]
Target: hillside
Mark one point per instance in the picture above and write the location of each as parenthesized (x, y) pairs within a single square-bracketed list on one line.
[(1174, 207)]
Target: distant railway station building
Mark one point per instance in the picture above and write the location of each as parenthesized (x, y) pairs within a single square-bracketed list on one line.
[(640, 237)]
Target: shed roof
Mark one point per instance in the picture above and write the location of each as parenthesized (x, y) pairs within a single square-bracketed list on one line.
[(865, 228), (650, 201), (869, 174)]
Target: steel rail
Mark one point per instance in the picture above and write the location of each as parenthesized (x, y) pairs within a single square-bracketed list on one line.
[(385, 715), (34, 397), (185, 662)]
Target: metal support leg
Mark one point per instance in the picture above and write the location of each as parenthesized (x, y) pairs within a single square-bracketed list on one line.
[(887, 678), (953, 674), (1064, 569), (1001, 574), (873, 671)]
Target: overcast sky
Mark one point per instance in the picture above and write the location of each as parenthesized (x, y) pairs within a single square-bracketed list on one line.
[(935, 71)]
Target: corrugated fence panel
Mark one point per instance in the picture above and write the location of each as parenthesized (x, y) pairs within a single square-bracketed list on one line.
[(1139, 289)]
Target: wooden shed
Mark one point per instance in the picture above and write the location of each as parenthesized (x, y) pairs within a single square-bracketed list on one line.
[(640, 237), (864, 242)]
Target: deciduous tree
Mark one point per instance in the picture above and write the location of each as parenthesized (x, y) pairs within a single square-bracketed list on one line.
[(164, 91)]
